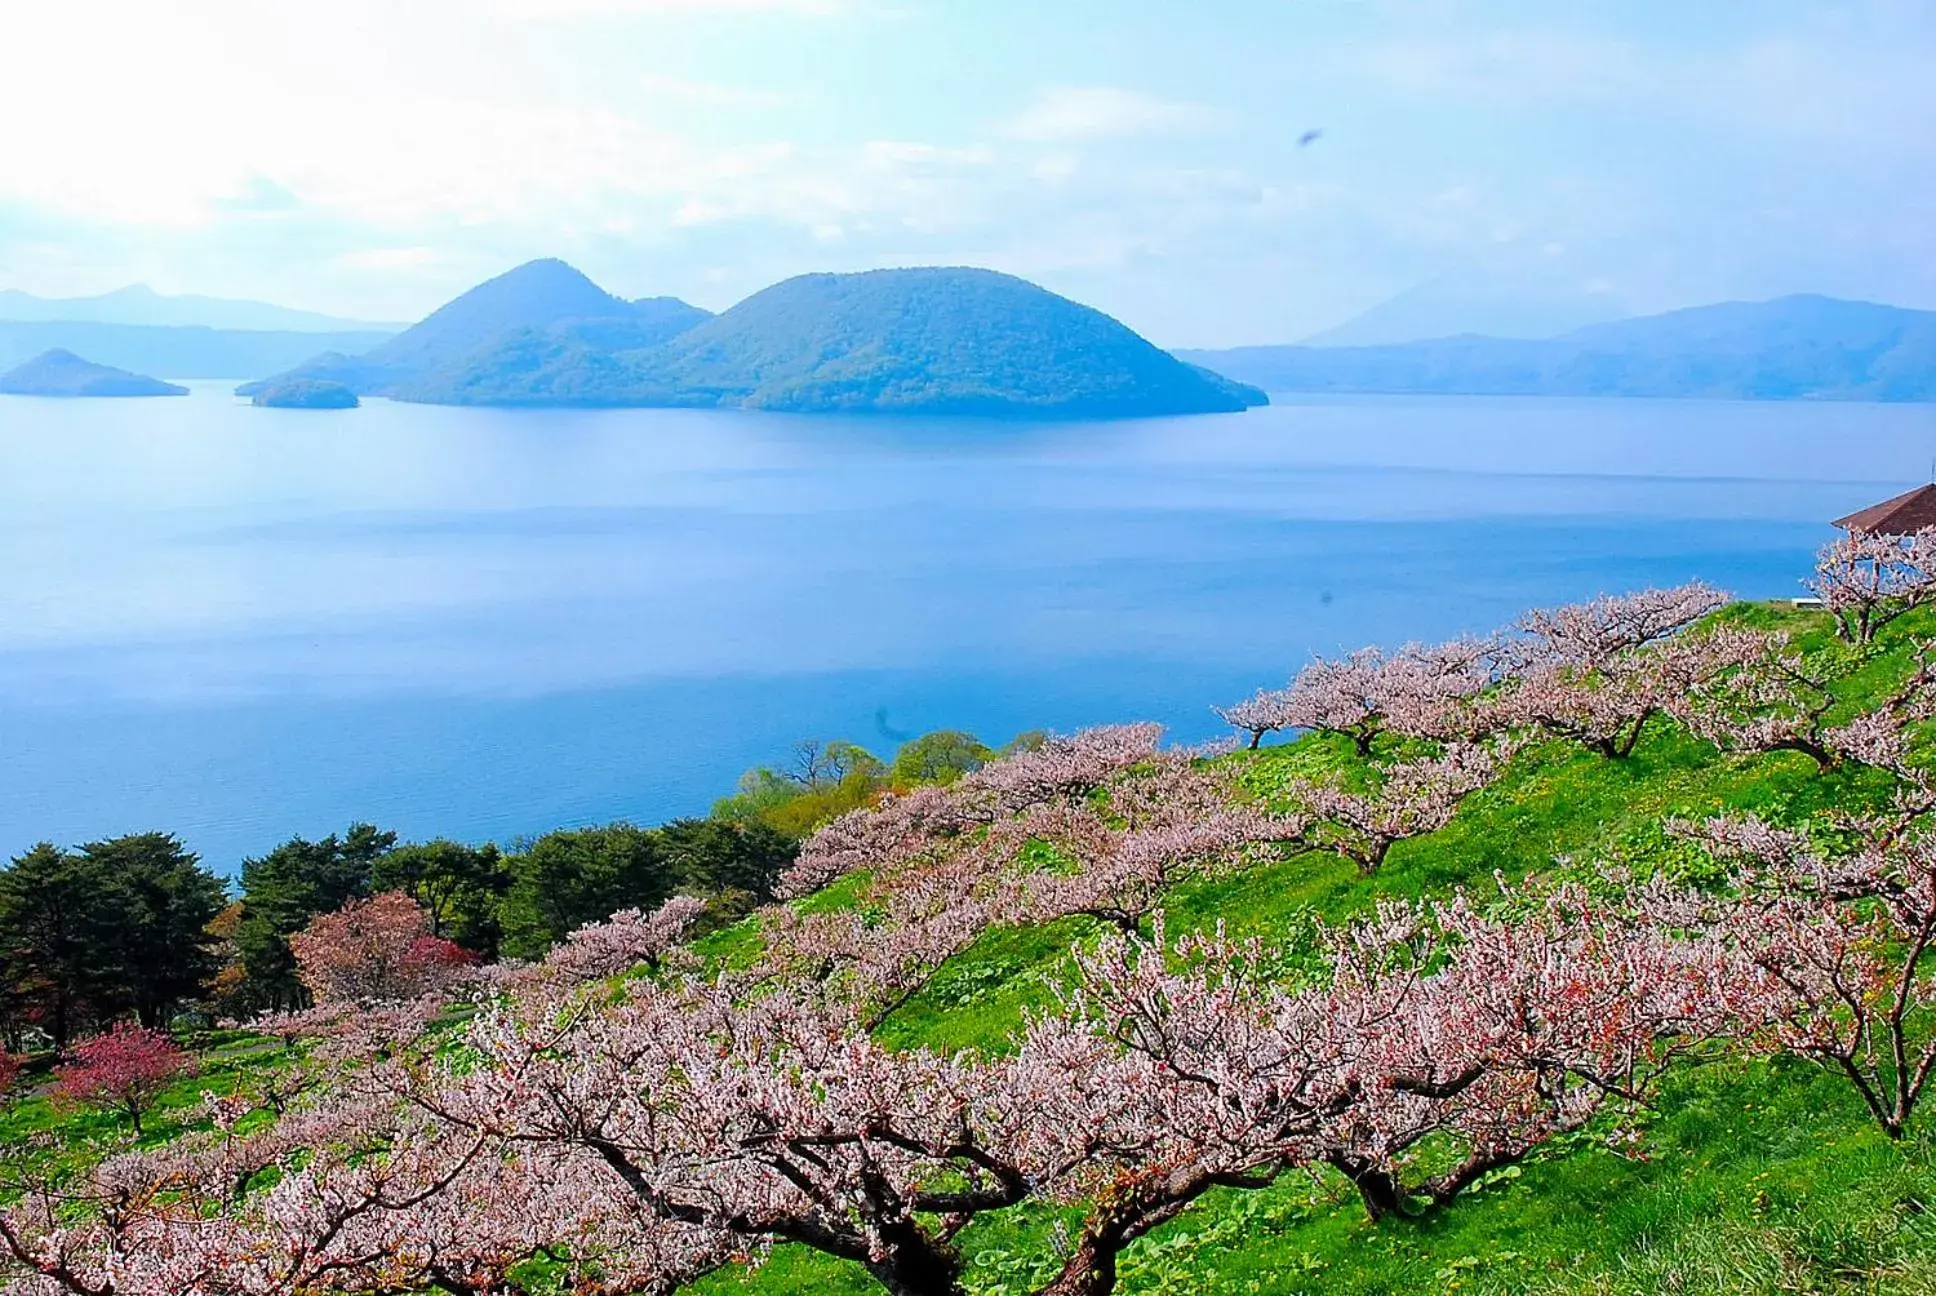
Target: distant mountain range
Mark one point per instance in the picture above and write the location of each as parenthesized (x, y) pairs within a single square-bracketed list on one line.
[(1491, 305), (140, 304), (62, 373), (1792, 348), (945, 341), (177, 352)]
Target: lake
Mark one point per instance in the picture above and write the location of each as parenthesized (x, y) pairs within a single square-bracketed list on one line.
[(240, 624)]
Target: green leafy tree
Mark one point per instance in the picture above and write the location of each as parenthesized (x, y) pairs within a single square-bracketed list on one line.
[(719, 857), (939, 757), (59, 940), (284, 889), (161, 901), (460, 889), (563, 880), (821, 782)]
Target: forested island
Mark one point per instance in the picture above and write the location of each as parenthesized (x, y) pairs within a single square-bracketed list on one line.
[(942, 341), (304, 393), (1628, 904), (62, 373)]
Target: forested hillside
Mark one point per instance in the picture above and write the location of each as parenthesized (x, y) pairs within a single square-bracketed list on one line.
[(1802, 347)]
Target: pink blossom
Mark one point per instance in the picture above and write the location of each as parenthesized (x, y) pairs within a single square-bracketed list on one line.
[(1867, 579), (374, 951), (1420, 691), (628, 939), (1409, 799), (1586, 636), (1838, 944), (124, 1070)]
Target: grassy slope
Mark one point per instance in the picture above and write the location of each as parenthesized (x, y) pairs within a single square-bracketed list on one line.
[(1751, 1178), (76, 1135)]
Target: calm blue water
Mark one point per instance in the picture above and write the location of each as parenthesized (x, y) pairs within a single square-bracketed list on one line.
[(239, 624)]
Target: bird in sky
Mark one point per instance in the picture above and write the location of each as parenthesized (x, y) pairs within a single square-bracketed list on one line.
[(1309, 138)]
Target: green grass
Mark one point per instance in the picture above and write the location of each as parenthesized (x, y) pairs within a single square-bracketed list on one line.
[(1747, 1177), (77, 1135)]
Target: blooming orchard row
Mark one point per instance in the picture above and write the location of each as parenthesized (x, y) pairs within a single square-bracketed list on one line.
[(625, 1116)]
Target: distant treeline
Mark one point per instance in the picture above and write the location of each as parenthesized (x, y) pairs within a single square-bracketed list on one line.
[(138, 926)]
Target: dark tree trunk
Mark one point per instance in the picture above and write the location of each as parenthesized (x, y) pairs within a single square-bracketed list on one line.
[(915, 1264), (1374, 858), (1121, 1219), (1480, 1164), (1619, 746), (1382, 1194), (1091, 1271), (1824, 759)]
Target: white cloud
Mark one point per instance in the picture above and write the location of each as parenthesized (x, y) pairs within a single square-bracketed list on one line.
[(195, 113), (1068, 113)]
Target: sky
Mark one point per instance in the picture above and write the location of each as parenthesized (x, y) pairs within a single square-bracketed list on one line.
[(371, 158)]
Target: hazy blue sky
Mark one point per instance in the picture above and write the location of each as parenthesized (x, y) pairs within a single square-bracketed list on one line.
[(370, 157)]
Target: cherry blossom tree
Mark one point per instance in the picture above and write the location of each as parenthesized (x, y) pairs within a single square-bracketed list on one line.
[(1606, 700), (1421, 691), (925, 820), (1840, 945), (1587, 636), (1170, 821), (766, 1119), (9, 1071), (1409, 799), (362, 1195), (628, 939), (946, 873), (1765, 698), (1867, 579), (771, 1116), (375, 951), (1063, 767), (1443, 692), (1492, 1032), (124, 1070)]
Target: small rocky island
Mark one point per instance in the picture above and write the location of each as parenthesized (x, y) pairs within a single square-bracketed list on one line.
[(304, 393), (62, 373)]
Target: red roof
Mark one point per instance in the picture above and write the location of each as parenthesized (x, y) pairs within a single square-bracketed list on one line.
[(1906, 514)]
